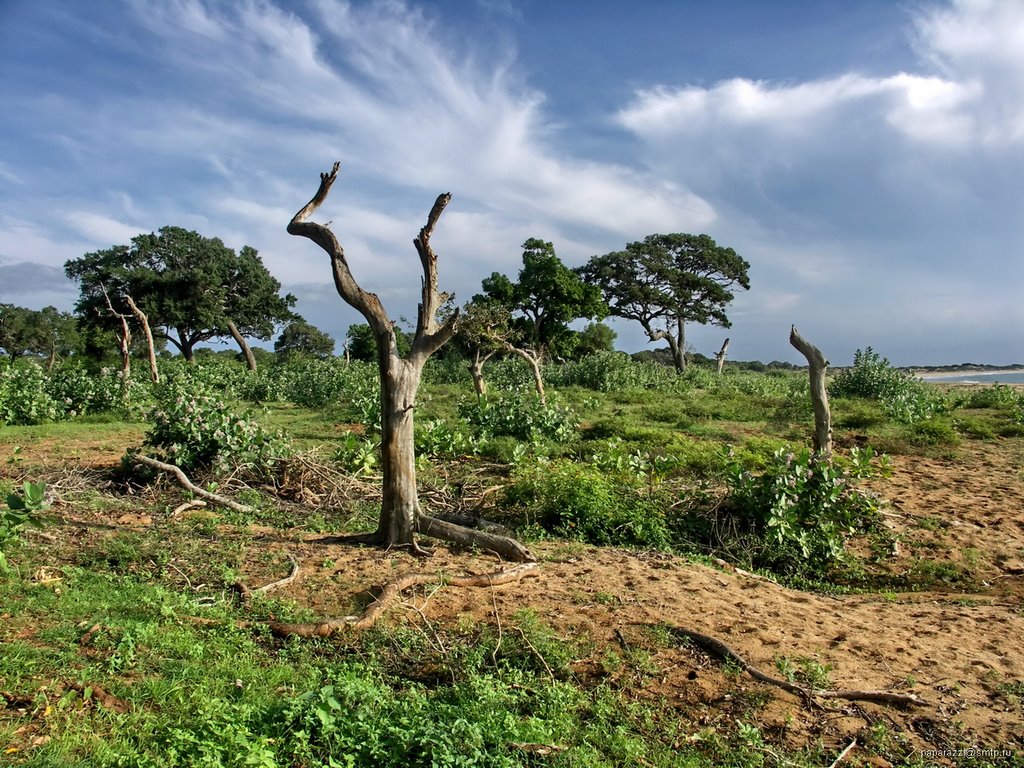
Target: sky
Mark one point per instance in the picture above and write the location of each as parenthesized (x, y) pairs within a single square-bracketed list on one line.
[(865, 157)]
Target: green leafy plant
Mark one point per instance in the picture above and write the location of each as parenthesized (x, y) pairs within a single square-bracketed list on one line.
[(520, 414), (358, 455), (901, 396), (796, 515), (22, 509), (196, 429)]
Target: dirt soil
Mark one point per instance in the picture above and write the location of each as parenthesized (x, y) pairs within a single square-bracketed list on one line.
[(958, 650)]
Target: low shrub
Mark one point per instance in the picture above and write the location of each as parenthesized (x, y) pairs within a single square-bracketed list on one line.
[(796, 515), (589, 504), (197, 430), (521, 415), (902, 397)]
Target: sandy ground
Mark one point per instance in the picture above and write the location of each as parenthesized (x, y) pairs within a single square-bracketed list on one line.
[(956, 650)]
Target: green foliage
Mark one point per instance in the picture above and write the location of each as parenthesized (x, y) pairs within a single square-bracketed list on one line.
[(23, 396), (539, 306), (588, 503), (196, 429), (667, 280), (437, 437), (300, 337), (607, 372), (358, 455), (21, 510), (796, 515), (902, 397), (190, 287), (519, 414)]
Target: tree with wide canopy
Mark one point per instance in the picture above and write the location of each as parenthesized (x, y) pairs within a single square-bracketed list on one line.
[(665, 281)]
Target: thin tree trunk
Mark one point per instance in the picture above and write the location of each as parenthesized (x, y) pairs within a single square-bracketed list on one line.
[(680, 350), (399, 377), (720, 356), (250, 359), (476, 370), (818, 367), (125, 340), (154, 373), (533, 359)]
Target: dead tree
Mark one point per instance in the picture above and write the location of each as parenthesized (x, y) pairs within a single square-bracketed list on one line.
[(154, 373), (124, 339), (400, 515), (720, 355), (818, 367), (250, 358)]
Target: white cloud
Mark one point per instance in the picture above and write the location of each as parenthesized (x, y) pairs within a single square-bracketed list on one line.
[(98, 228)]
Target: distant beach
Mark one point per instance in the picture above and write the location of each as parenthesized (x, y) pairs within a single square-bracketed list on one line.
[(1010, 376)]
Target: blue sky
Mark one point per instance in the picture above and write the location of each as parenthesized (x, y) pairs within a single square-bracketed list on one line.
[(865, 157)]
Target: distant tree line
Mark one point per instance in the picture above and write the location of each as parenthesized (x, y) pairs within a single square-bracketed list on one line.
[(178, 289)]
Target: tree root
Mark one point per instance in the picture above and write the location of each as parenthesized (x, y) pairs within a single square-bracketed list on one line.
[(391, 592), (246, 593), (184, 482), (717, 648), (508, 548)]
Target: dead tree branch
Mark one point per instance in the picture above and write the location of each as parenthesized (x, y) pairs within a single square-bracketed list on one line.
[(716, 647), (818, 367), (391, 592), (187, 484)]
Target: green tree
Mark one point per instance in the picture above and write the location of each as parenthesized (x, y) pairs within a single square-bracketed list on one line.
[(547, 297), (191, 288), (300, 337), (666, 281), (596, 337), (47, 332), (18, 333), (362, 345)]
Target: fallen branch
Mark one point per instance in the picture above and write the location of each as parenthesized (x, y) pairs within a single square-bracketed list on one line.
[(194, 504), (246, 593), (390, 593), (740, 572), (716, 647), (844, 753), (187, 484)]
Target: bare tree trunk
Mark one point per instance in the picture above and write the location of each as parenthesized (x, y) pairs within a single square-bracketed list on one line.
[(154, 374), (680, 350), (476, 370), (818, 367), (533, 358), (124, 340), (720, 356), (399, 377), (250, 359)]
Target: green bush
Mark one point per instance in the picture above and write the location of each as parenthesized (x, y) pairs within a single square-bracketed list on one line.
[(796, 515), (21, 509), (196, 429), (588, 503), (521, 415), (23, 396), (901, 396)]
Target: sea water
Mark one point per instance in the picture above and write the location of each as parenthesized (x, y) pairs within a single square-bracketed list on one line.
[(980, 377)]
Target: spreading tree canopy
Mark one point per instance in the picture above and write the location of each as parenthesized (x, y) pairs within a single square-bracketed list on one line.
[(300, 337), (47, 332), (540, 306), (192, 288), (666, 281)]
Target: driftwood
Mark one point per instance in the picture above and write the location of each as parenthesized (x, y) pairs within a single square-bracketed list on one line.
[(184, 482), (390, 593), (720, 355), (717, 648), (818, 367), (246, 593)]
